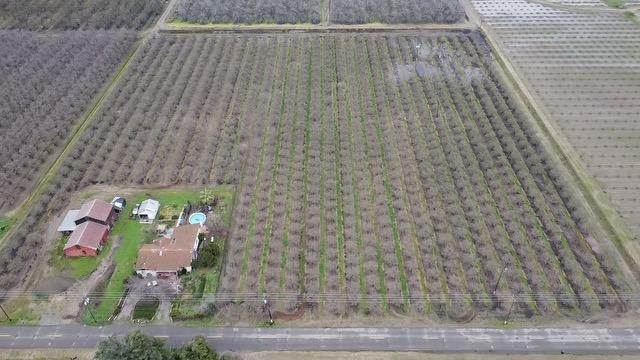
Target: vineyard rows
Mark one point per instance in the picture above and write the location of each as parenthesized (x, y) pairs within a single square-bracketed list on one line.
[(46, 83), (375, 173)]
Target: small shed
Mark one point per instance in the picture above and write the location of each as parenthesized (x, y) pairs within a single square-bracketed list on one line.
[(148, 210), (68, 224)]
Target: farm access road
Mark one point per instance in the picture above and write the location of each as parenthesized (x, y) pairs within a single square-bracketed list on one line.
[(442, 340)]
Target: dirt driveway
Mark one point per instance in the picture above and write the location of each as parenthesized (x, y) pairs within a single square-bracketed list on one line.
[(140, 288)]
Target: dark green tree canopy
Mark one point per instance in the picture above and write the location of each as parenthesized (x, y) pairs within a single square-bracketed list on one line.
[(197, 349), (135, 346), (138, 346)]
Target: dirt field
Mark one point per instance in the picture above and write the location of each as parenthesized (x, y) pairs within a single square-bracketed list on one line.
[(47, 354)]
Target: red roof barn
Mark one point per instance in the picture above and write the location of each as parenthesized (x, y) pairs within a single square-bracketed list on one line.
[(97, 211), (87, 239)]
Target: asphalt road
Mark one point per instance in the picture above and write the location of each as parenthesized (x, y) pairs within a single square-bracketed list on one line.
[(538, 340)]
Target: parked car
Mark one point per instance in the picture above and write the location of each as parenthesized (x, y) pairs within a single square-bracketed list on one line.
[(119, 203)]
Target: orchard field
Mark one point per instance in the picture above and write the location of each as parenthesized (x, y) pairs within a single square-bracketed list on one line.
[(79, 14), (374, 173), (46, 83), (396, 11), (317, 11), (584, 70), (249, 11)]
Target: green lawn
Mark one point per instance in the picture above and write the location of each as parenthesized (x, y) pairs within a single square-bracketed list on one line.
[(617, 3), (20, 312), (200, 283), (5, 225), (133, 235), (146, 309), (78, 267), (197, 288)]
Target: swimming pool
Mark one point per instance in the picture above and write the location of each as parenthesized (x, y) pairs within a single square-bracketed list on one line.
[(197, 218)]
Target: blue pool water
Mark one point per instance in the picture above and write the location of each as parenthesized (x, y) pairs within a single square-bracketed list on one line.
[(197, 218)]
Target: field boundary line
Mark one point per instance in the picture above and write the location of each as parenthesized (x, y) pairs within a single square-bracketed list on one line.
[(585, 10), (22, 211), (185, 28), (590, 190)]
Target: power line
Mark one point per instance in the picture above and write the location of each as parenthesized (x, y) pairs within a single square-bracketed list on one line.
[(342, 297)]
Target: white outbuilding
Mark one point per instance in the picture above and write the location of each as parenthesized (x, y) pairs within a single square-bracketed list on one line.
[(148, 211)]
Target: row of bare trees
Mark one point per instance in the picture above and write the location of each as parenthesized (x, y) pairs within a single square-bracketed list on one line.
[(79, 14), (50, 81), (249, 11), (396, 11), (299, 11), (555, 202)]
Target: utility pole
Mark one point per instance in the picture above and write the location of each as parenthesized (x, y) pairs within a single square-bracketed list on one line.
[(5, 313), (266, 306), (495, 288), (92, 317), (513, 301), (86, 302)]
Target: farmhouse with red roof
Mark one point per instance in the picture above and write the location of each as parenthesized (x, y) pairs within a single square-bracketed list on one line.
[(87, 239), (89, 228), (97, 211)]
